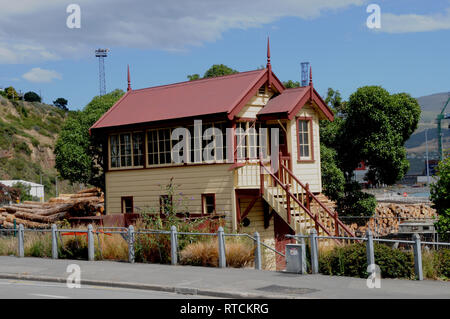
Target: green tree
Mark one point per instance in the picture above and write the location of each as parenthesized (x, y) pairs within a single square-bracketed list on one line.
[(79, 155), (24, 190), (61, 103), (214, 71), (11, 93), (375, 128), (193, 77), (32, 97), (291, 84), (440, 196), (371, 127)]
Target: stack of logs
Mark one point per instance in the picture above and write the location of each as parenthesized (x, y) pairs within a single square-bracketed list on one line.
[(385, 221), (88, 202), (388, 216)]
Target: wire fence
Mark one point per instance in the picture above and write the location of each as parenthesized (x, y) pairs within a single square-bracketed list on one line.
[(130, 235)]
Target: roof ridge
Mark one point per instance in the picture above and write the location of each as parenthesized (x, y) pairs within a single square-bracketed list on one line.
[(222, 77)]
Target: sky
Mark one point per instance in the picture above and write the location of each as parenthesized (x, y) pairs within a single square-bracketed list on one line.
[(164, 41)]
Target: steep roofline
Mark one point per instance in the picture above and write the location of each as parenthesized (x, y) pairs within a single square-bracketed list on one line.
[(95, 125)]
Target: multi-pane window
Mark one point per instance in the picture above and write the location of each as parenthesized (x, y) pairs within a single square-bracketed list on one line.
[(241, 140), (138, 152), (208, 204), (304, 139), (159, 146), (249, 140), (126, 150)]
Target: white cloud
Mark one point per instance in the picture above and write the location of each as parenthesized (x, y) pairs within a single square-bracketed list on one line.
[(151, 24), (404, 23), (38, 75)]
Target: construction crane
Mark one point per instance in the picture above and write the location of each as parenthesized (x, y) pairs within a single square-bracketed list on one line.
[(442, 116)]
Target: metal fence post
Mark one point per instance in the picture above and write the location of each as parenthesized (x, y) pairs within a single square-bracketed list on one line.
[(314, 252), (54, 242), (173, 245), (90, 239), (418, 257), (131, 244), (222, 256), (20, 239), (258, 264), (369, 248)]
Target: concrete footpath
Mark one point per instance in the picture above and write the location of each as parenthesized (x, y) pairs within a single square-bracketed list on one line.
[(215, 282)]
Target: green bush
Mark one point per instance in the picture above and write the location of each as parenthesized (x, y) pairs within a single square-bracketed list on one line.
[(351, 260), (357, 203), (22, 147), (443, 262)]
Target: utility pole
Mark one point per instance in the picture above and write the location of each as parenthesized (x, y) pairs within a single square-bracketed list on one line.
[(426, 147)]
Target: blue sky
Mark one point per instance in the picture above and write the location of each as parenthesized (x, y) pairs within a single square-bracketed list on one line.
[(164, 42)]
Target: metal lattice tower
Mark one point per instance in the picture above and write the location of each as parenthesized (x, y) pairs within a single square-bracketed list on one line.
[(305, 73), (101, 54)]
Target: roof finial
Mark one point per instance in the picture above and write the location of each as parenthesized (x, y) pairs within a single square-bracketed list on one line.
[(129, 81), (310, 76), (268, 52)]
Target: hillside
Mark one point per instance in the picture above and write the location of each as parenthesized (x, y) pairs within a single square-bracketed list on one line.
[(431, 106), (28, 131)]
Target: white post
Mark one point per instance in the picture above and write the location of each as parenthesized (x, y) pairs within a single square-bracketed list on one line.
[(131, 244), (222, 255), (90, 239), (21, 241), (258, 263), (54, 242), (173, 245)]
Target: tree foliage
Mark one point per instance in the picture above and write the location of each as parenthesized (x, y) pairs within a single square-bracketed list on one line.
[(11, 93), (371, 127), (440, 196), (291, 84), (375, 128), (79, 155), (61, 103), (32, 97), (214, 71)]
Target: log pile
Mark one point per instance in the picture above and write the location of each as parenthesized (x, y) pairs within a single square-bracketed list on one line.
[(388, 216), (88, 202)]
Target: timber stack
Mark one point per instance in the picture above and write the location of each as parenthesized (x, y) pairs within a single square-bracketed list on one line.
[(88, 202)]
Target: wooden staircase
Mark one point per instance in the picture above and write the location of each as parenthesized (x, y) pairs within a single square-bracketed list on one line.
[(296, 205)]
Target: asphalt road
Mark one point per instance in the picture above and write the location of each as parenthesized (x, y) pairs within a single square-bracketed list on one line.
[(17, 289)]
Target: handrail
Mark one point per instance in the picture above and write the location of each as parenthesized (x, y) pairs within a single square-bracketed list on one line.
[(283, 186), (333, 215)]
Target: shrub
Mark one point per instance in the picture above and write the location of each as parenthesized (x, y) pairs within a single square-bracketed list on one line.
[(443, 265), (22, 147), (238, 254), (351, 260), (357, 203), (32, 97)]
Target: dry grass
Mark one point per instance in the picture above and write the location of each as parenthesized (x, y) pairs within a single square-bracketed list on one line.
[(205, 253), (113, 247), (8, 245)]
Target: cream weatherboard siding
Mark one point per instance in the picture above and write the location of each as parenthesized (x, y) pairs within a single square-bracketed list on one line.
[(306, 172), (254, 105), (146, 186)]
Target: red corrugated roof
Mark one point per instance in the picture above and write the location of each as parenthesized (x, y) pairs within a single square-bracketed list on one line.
[(180, 100), (290, 101), (285, 102)]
